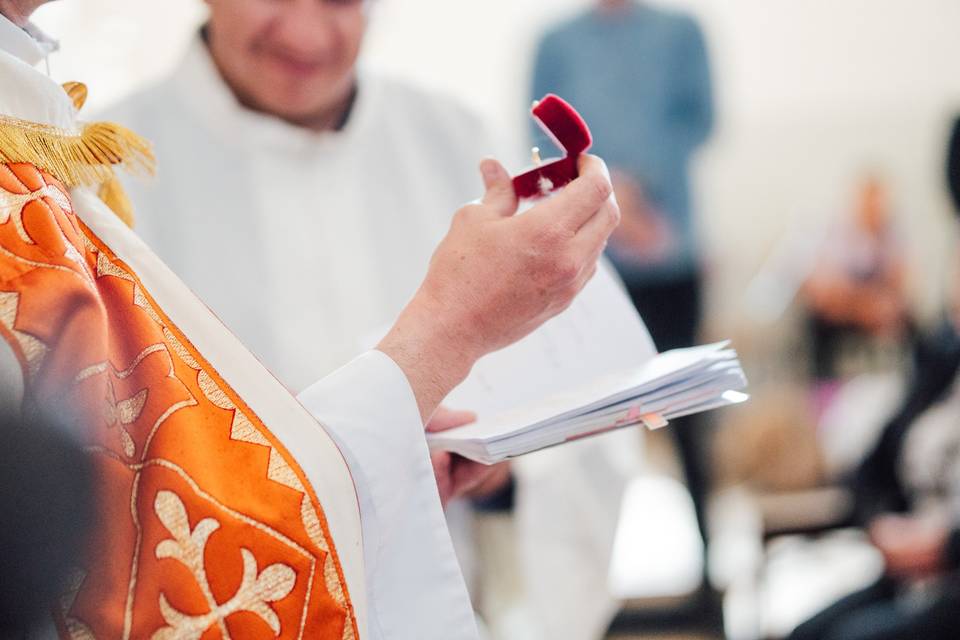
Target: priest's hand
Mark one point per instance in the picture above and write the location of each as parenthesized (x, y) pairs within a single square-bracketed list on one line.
[(498, 276), (456, 476)]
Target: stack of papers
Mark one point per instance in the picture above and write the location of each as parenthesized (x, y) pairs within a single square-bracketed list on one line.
[(664, 387)]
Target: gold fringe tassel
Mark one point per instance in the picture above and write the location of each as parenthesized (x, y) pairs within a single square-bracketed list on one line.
[(113, 195), (87, 158)]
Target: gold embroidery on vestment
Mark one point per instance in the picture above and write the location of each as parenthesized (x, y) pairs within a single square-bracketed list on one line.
[(12, 205), (213, 392), (33, 349), (257, 588)]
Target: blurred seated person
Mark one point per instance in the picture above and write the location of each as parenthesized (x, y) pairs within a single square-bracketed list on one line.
[(908, 497), (856, 293)]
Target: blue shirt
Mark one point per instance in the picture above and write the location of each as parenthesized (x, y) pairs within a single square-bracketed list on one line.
[(641, 79)]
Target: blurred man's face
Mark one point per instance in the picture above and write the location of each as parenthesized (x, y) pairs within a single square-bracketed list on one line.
[(292, 58)]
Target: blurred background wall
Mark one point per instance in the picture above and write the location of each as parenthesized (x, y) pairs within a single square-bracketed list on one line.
[(811, 95)]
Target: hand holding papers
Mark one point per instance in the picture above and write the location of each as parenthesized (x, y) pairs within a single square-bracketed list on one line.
[(590, 370)]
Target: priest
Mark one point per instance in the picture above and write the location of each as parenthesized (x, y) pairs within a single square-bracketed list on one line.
[(227, 506)]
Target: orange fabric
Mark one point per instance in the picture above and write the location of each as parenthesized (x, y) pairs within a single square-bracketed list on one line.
[(209, 528)]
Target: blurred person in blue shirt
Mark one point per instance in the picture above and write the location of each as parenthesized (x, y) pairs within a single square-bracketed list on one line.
[(640, 76)]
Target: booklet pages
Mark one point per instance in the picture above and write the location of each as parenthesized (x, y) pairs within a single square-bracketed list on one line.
[(665, 387)]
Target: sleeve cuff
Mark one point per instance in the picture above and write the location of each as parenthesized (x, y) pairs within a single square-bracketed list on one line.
[(414, 585), (369, 409)]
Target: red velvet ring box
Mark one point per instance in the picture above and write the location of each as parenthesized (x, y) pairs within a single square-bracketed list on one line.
[(569, 132)]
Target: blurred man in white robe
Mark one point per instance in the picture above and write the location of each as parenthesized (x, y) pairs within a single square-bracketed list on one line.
[(371, 169)]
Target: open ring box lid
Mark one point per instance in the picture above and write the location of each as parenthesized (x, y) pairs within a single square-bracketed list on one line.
[(569, 132)]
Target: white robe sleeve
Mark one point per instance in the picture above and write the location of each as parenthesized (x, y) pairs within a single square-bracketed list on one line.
[(415, 589)]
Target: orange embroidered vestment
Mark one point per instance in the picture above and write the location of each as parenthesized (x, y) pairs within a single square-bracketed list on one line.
[(208, 528)]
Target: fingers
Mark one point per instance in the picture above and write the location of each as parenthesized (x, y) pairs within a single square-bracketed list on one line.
[(467, 475), (580, 200), (444, 419), (588, 164), (592, 237), (457, 476), (498, 186), (493, 479)]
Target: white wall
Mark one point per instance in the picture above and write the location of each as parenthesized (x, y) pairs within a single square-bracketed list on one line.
[(810, 93)]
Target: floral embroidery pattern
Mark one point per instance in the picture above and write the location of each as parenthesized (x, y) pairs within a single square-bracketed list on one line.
[(256, 590)]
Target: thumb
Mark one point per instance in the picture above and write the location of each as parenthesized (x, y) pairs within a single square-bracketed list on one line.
[(499, 188), (444, 419)]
